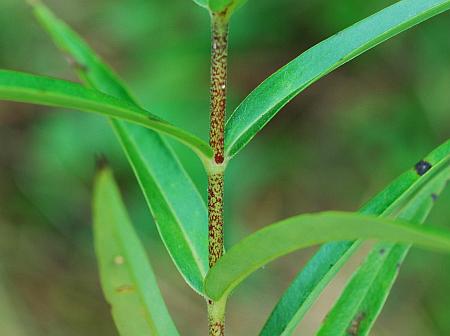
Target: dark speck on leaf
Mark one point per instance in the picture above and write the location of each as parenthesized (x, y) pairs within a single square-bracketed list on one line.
[(434, 197), (353, 330), (422, 167), (382, 251)]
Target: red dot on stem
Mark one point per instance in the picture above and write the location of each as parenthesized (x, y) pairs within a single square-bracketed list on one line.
[(219, 158)]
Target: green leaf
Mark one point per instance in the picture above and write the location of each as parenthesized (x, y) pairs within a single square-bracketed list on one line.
[(179, 211), (27, 88), (230, 6), (307, 230), (276, 91), (177, 207), (306, 287), (321, 268), (364, 296), (126, 276)]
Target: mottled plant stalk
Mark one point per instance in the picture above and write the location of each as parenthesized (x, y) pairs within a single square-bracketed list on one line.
[(219, 53)]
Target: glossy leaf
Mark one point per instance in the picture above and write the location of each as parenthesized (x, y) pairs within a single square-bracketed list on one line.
[(127, 278), (276, 91), (307, 230), (323, 266), (369, 287), (27, 88), (306, 287), (179, 211), (177, 207)]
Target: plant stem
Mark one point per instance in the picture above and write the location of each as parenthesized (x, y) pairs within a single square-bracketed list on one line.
[(219, 59)]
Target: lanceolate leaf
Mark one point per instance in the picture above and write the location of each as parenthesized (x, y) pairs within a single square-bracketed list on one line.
[(276, 91), (317, 273), (306, 287), (367, 291), (307, 230), (27, 88), (177, 207), (126, 276)]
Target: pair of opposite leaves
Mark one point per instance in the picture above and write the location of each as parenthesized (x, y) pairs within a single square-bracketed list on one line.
[(433, 7)]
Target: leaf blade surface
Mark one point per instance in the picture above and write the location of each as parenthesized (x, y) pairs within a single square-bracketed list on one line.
[(262, 104), (27, 88), (302, 231), (364, 296), (127, 279), (179, 211), (323, 266)]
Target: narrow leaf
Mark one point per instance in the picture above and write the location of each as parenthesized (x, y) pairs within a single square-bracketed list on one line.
[(306, 287), (364, 296), (27, 88), (179, 211), (177, 207), (323, 266), (276, 91), (307, 230), (126, 276)]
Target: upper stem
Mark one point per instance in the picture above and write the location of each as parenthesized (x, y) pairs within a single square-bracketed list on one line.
[(219, 60)]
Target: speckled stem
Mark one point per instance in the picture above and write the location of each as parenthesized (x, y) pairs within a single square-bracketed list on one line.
[(219, 53), (216, 317), (215, 217), (219, 58)]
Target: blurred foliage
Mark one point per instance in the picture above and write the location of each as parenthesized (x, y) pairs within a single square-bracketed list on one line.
[(331, 148)]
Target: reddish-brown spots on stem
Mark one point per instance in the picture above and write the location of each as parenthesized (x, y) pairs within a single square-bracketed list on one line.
[(218, 158), (217, 328), (215, 217), (219, 55), (216, 318)]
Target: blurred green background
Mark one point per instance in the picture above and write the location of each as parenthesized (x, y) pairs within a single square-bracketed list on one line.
[(333, 147)]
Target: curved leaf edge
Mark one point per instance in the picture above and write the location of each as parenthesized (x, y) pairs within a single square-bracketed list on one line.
[(227, 274)]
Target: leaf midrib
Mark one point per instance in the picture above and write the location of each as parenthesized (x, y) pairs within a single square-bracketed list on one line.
[(347, 58), (195, 255)]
